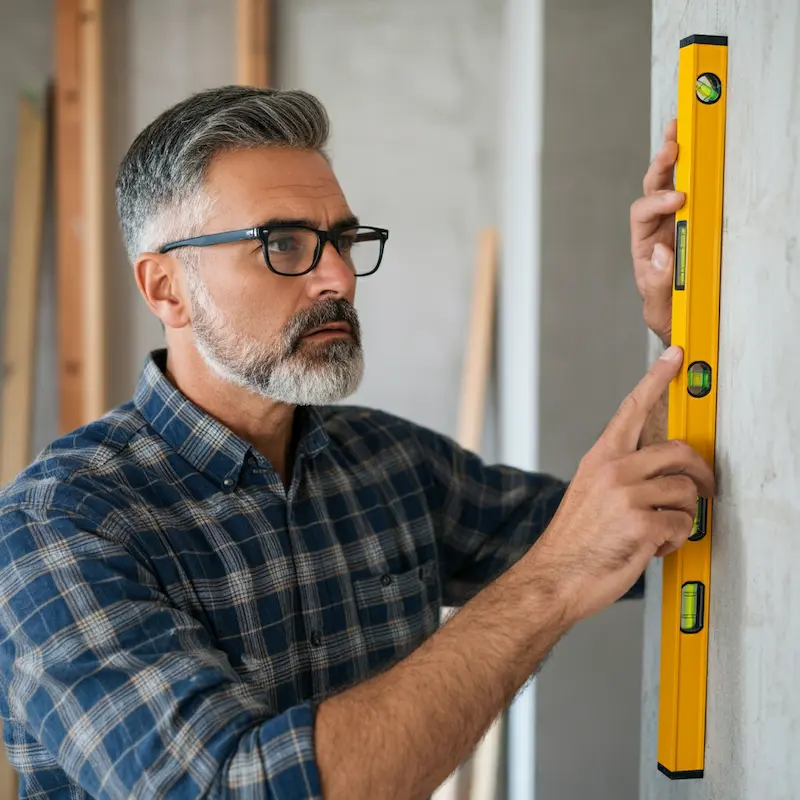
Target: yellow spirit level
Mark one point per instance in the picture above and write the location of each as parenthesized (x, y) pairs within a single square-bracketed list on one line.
[(702, 90)]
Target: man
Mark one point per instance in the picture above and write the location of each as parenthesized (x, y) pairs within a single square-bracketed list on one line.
[(231, 588)]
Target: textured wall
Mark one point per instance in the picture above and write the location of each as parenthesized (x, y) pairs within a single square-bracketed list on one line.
[(412, 91), (596, 121), (753, 721), (159, 52)]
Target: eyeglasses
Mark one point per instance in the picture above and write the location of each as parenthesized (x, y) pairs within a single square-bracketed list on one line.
[(294, 250)]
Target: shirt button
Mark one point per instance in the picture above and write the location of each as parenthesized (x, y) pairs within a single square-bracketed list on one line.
[(386, 580), (316, 639), (227, 483)]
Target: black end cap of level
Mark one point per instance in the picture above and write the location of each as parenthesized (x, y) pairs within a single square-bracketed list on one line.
[(681, 776), (698, 38)]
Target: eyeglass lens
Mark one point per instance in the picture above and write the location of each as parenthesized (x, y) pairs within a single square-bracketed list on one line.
[(291, 251)]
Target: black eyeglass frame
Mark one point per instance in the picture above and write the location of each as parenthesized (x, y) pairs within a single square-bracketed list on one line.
[(262, 233)]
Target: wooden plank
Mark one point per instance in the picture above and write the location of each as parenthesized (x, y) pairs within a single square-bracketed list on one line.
[(485, 765), (92, 140), (477, 777), (23, 279), (480, 342), (69, 212), (253, 42)]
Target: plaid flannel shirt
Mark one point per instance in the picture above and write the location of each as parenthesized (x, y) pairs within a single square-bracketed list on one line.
[(171, 614)]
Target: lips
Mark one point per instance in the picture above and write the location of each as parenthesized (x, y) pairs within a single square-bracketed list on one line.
[(331, 327)]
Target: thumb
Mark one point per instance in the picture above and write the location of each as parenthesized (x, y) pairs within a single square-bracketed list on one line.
[(623, 432)]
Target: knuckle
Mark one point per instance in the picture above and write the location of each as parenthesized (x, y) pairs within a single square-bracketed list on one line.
[(686, 486), (680, 448)]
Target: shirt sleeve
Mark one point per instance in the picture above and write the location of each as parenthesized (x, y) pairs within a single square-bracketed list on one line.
[(488, 516), (124, 690)]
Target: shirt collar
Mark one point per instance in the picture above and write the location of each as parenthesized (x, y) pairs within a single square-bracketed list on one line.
[(208, 445)]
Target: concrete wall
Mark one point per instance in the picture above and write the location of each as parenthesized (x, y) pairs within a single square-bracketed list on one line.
[(596, 121), (158, 54), (753, 719), (412, 91)]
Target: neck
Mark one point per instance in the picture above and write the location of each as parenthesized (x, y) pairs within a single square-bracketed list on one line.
[(265, 424)]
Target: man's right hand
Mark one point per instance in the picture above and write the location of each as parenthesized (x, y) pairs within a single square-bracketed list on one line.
[(624, 505)]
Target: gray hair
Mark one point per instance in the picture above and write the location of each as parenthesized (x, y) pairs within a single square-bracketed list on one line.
[(160, 182)]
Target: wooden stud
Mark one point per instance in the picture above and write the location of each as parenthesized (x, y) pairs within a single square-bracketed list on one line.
[(92, 155), (477, 777), (21, 298), (253, 40), (69, 213), (480, 340)]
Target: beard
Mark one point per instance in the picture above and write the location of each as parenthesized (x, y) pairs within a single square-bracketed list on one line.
[(291, 369)]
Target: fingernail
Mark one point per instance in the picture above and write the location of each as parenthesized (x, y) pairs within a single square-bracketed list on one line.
[(659, 258), (672, 353), (670, 197)]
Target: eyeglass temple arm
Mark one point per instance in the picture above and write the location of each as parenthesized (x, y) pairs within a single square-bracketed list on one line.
[(213, 238)]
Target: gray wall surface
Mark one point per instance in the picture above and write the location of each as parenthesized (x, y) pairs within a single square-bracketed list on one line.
[(159, 52), (596, 122), (753, 715), (26, 61), (412, 91)]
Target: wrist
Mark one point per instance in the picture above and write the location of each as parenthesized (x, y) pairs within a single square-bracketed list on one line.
[(549, 591)]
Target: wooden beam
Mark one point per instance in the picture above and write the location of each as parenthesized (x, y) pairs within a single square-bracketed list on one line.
[(23, 280), (92, 155), (253, 42), (477, 777), (480, 342), (69, 213)]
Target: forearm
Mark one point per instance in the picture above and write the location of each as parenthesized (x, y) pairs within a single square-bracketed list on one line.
[(401, 733)]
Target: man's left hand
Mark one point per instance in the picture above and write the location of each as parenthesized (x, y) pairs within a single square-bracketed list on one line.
[(653, 236)]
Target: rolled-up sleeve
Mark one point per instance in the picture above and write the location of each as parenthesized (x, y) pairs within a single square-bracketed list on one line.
[(125, 691)]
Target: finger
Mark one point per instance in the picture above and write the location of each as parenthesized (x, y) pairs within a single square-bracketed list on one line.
[(671, 131), (673, 457), (657, 291), (672, 530), (623, 431), (654, 207), (660, 173), (676, 492), (666, 549)]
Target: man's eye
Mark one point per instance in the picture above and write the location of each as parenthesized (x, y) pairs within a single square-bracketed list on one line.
[(282, 244)]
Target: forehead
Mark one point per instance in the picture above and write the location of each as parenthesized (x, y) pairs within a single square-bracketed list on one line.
[(254, 185)]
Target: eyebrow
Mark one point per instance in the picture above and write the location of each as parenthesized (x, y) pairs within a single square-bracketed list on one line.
[(344, 222)]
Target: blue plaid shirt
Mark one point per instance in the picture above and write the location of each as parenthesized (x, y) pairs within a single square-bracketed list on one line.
[(171, 614)]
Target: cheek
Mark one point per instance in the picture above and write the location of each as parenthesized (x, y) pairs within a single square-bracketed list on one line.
[(261, 305)]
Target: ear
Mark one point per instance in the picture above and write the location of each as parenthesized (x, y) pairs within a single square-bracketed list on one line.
[(162, 282)]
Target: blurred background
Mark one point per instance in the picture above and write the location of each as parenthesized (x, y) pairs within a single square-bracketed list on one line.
[(421, 95)]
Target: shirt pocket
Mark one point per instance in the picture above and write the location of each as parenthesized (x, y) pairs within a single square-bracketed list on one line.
[(397, 612)]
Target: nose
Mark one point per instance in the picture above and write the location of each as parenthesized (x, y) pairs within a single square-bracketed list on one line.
[(332, 275)]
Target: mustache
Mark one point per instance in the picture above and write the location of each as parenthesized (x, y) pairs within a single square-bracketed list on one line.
[(322, 313)]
